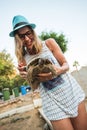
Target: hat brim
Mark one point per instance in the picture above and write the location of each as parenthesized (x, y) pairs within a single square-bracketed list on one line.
[(12, 34)]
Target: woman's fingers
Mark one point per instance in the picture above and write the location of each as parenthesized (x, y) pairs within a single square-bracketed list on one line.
[(45, 74), (23, 74)]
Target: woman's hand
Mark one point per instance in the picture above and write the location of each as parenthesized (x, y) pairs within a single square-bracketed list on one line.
[(44, 76), (22, 70), (48, 76)]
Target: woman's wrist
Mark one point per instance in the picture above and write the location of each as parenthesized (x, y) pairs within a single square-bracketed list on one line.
[(62, 70)]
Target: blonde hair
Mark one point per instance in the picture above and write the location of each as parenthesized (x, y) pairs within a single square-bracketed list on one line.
[(37, 43), (20, 50)]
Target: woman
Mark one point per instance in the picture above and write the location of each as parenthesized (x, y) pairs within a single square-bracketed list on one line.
[(63, 102)]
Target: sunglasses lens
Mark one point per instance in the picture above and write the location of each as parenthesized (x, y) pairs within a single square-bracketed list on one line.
[(22, 36)]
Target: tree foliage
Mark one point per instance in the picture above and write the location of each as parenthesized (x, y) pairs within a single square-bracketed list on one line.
[(6, 69), (8, 76), (60, 39), (18, 81), (6, 64), (76, 64)]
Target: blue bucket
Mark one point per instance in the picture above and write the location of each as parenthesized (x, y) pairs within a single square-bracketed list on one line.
[(23, 90)]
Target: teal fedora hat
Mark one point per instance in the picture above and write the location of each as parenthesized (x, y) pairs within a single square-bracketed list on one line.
[(18, 22)]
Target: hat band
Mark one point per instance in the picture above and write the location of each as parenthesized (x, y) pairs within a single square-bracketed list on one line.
[(21, 23)]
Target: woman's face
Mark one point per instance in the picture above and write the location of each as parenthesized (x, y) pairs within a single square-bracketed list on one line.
[(27, 37)]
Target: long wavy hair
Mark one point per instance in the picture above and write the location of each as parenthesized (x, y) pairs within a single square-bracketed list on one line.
[(21, 50)]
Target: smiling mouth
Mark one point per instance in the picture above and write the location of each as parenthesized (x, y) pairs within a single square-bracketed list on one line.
[(29, 46)]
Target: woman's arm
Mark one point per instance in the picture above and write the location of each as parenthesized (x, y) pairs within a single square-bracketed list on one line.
[(58, 54), (22, 70)]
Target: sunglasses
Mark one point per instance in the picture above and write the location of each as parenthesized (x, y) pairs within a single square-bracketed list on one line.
[(28, 34)]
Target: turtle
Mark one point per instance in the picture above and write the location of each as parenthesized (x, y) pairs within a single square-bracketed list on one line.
[(36, 66)]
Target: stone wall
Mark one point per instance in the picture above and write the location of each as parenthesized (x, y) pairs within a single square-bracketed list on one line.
[(81, 77)]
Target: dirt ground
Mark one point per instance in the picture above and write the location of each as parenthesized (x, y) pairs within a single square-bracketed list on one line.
[(25, 121), (30, 120)]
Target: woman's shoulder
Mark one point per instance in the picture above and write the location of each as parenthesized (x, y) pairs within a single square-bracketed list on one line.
[(50, 40), (50, 43)]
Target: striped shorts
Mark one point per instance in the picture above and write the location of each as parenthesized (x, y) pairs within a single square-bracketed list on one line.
[(62, 101)]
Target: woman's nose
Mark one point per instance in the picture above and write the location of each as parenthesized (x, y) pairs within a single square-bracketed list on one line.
[(26, 37)]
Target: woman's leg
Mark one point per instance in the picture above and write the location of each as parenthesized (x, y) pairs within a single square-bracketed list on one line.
[(80, 122), (64, 124)]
